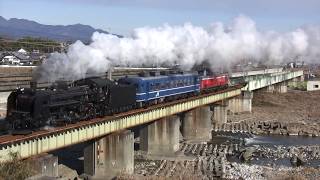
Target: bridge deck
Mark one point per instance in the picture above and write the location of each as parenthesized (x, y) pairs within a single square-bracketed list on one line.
[(44, 141), (258, 82)]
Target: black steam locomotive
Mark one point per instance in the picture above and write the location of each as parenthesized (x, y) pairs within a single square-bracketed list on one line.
[(88, 98)]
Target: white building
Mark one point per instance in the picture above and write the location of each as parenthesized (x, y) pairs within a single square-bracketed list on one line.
[(16, 58), (22, 51), (313, 85), (10, 59)]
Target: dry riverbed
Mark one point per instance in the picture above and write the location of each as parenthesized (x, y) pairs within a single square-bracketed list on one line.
[(293, 113)]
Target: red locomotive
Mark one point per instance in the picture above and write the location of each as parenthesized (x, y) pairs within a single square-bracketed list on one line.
[(214, 82)]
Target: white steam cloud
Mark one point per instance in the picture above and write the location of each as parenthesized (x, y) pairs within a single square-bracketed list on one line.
[(187, 45)]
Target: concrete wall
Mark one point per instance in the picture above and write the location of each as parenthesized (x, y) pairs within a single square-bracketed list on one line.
[(313, 85)]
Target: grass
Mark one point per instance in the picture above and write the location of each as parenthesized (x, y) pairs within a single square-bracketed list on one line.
[(15, 169), (298, 85)]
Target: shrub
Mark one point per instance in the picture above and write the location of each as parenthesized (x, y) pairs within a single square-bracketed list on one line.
[(15, 169)]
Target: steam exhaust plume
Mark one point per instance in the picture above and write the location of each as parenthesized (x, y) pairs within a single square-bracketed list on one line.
[(187, 45)]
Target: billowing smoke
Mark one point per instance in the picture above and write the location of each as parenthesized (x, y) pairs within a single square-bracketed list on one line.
[(187, 45)]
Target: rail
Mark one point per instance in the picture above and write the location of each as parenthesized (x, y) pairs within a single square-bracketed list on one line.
[(45, 141)]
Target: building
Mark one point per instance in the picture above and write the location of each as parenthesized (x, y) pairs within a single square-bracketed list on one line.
[(16, 58), (10, 59), (2, 55), (21, 58), (22, 51), (37, 58), (313, 85)]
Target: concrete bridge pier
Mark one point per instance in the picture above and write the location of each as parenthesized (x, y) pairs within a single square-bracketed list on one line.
[(269, 89), (281, 87), (45, 165), (301, 78), (161, 137), (197, 124), (242, 103), (220, 113), (110, 155)]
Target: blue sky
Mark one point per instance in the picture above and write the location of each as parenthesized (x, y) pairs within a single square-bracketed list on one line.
[(121, 16)]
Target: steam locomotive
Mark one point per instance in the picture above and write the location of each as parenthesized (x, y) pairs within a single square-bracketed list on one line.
[(85, 99)]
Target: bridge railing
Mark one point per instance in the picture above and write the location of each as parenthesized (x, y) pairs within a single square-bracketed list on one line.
[(42, 142)]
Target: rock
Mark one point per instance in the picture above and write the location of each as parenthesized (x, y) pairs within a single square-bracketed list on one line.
[(293, 150), (247, 154), (143, 172), (67, 173), (297, 160)]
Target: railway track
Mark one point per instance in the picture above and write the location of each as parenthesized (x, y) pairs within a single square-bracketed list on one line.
[(12, 139)]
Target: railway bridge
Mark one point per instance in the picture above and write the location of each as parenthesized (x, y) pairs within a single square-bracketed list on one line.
[(111, 144)]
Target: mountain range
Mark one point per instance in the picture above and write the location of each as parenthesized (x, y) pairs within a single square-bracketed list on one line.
[(18, 28)]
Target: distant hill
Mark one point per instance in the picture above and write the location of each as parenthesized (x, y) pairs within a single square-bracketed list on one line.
[(18, 28)]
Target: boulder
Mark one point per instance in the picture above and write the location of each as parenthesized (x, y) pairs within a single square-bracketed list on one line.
[(297, 160), (67, 173)]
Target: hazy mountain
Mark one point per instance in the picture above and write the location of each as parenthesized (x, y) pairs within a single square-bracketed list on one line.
[(17, 28)]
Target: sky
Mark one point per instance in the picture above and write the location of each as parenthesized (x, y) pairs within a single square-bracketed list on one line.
[(122, 16)]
